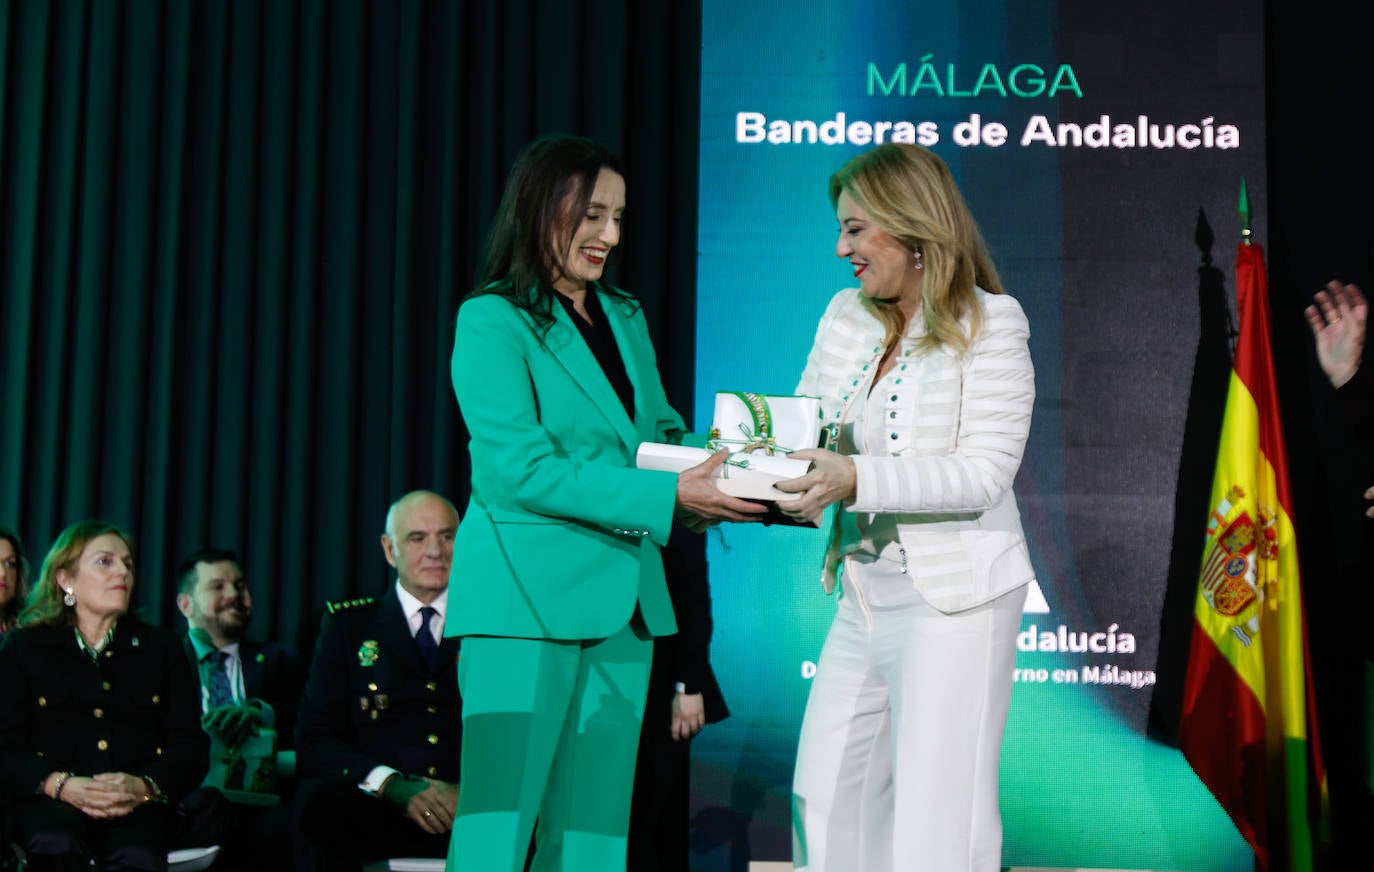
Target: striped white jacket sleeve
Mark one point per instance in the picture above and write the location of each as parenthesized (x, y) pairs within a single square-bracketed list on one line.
[(991, 409), (811, 382)]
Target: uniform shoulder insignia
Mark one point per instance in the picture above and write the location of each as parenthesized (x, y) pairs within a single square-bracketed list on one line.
[(344, 605)]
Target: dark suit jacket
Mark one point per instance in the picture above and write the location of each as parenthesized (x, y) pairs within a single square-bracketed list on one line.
[(658, 838), (271, 673), (1355, 399), (1347, 537), (686, 656), (370, 699), (136, 710)]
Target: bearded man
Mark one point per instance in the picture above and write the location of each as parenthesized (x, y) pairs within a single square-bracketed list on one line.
[(249, 695)]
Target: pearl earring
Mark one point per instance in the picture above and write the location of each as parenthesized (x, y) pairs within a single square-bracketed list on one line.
[(69, 599), (916, 257)]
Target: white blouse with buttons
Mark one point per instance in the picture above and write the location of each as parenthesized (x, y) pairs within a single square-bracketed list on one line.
[(951, 429)]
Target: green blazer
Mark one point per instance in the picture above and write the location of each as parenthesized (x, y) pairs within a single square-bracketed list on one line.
[(561, 537)]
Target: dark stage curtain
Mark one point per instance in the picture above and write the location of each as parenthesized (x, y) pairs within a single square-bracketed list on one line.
[(234, 236), (1321, 186)]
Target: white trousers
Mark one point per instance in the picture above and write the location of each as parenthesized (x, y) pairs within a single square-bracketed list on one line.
[(897, 764)]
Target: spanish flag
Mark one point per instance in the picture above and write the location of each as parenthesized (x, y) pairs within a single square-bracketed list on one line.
[(1248, 723)]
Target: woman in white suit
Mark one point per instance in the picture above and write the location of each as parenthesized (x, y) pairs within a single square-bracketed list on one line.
[(925, 374)]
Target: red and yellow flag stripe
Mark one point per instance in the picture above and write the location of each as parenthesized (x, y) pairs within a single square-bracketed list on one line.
[(1248, 721)]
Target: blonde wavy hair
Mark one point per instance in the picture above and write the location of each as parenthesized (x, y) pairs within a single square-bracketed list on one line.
[(910, 194), (45, 607)]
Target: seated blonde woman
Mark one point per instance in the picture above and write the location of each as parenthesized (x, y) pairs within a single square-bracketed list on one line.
[(99, 715)]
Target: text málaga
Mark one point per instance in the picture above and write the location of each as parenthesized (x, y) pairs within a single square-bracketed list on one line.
[(1112, 674), (1021, 80)]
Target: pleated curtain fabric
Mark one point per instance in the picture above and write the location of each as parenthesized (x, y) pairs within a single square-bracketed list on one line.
[(235, 240)]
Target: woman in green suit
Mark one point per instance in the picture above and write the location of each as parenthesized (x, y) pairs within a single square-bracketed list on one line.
[(557, 586)]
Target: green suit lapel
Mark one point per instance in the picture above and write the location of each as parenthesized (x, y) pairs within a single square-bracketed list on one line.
[(581, 364)]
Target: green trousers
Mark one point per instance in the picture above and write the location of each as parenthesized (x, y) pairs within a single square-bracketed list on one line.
[(550, 732)]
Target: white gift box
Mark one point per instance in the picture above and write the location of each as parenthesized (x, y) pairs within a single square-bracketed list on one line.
[(765, 424), (747, 476)]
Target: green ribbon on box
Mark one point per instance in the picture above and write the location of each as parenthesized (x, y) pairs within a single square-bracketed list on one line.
[(762, 434)]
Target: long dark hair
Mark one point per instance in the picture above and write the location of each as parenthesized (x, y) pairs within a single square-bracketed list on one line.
[(547, 193), (10, 611)]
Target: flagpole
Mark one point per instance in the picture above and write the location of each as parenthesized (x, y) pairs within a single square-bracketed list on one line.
[(1244, 208), (1248, 720)]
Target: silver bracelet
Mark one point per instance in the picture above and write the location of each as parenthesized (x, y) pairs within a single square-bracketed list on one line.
[(62, 780)]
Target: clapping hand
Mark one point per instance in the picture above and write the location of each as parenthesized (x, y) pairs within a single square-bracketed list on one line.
[(232, 723), (1337, 317)]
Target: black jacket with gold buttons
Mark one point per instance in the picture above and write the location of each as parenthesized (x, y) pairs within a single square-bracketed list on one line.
[(136, 709), (371, 700)]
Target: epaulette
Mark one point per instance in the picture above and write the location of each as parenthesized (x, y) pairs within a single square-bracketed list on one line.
[(341, 605)]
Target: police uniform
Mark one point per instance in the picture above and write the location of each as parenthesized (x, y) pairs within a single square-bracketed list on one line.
[(134, 708), (371, 700)]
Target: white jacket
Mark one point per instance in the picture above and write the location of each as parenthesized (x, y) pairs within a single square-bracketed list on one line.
[(958, 426)]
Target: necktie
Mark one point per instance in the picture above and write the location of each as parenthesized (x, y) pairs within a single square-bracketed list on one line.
[(220, 691), (424, 639)]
